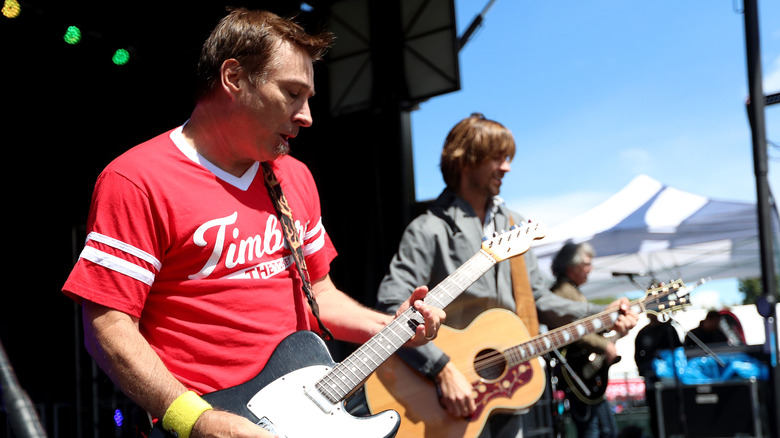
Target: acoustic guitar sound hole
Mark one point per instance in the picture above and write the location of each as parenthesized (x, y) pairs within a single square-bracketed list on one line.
[(490, 364)]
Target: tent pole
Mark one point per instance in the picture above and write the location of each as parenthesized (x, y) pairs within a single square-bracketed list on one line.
[(764, 206)]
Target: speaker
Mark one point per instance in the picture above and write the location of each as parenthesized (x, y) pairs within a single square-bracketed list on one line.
[(725, 409)]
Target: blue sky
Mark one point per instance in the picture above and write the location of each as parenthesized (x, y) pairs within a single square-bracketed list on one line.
[(597, 92)]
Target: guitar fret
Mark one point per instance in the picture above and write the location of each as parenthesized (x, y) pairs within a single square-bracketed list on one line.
[(460, 280), (375, 354), (354, 368), (344, 378), (385, 345), (332, 388), (403, 337)]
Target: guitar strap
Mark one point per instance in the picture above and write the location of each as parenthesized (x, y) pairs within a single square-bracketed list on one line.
[(291, 233), (524, 297)]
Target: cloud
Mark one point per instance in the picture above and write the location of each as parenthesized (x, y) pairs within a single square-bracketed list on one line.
[(717, 294), (557, 209), (706, 299), (635, 160)]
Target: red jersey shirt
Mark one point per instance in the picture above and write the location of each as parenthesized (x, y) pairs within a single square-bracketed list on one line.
[(200, 258)]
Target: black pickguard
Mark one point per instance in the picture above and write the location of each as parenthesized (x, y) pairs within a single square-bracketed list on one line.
[(593, 373)]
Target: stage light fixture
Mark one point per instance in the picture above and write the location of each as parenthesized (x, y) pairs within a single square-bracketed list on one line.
[(72, 35), (121, 57), (11, 8)]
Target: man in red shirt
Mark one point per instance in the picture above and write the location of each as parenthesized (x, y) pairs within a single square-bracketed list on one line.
[(186, 281)]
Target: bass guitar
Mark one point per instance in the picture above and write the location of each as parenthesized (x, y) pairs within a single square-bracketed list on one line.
[(301, 392), (502, 373)]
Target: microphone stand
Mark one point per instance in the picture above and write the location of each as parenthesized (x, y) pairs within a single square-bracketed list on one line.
[(677, 384), (704, 347), (678, 387)]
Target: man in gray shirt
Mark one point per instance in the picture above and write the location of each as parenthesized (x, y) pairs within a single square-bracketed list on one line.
[(476, 155)]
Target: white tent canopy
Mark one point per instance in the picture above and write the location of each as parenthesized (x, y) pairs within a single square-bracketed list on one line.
[(659, 233)]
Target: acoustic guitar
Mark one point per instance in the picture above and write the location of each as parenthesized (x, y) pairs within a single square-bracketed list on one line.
[(504, 375)]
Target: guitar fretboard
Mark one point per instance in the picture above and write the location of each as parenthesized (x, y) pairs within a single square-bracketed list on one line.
[(660, 300), (346, 376), (562, 336)]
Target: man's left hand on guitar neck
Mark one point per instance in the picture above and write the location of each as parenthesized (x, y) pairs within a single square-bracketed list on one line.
[(627, 319), (625, 322), (434, 317), (353, 322)]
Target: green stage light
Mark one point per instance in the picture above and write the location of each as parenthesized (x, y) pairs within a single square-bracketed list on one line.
[(11, 8), (72, 35), (121, 57)]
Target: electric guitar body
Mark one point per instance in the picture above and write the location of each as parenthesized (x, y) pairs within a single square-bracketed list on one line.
[(592, 369), (281, 398)]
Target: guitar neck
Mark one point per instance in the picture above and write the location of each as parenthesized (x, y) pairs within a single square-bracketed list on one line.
[(566, 335), (347, 375)]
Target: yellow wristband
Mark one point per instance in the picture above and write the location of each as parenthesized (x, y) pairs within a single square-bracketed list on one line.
[(183, 413)]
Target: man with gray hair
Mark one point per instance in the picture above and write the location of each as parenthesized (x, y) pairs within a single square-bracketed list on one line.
[(571, 267)]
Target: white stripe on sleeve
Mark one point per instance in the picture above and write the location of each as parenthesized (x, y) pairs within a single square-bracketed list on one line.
[(114, 263), (122, 246), (316, 244)]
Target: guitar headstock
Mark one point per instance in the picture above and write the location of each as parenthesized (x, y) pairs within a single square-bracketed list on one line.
[(514, 242), (666, 298)]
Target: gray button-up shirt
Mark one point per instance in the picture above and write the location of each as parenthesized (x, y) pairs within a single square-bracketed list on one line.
[(442, 239)]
